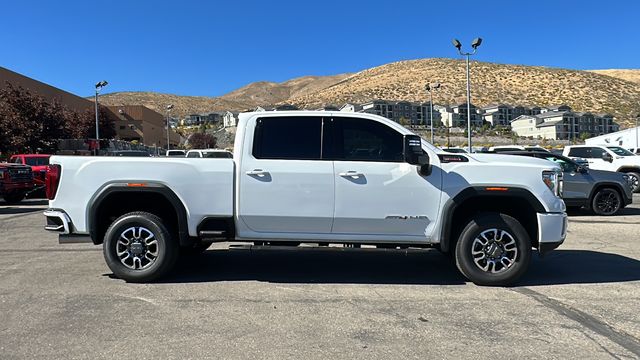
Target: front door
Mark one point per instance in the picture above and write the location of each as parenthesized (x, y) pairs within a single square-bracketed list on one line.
[(284, 185), (376, 192)]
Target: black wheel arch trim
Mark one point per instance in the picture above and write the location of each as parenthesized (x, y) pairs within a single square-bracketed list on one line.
[(478, 191), (120, 187)]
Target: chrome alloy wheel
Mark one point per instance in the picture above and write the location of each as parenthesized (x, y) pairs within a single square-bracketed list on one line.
[(137, 248), (494, 250), (634, 182)]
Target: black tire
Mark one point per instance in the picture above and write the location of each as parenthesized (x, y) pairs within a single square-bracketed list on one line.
[(196, 249), (14, 197), (606, 202), (166, 248), (481, 228), (635, 181)]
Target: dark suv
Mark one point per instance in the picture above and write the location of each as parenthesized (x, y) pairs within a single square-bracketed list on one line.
[(15, 182), (603, 192)]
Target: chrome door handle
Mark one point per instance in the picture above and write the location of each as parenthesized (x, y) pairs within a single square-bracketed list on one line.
[(351, 173), (257, 172)]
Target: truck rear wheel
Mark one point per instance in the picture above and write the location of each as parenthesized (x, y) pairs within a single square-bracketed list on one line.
[(493, 249), (138, 247)]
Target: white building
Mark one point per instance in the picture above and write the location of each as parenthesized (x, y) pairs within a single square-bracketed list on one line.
[(562, 125), (229, 119), (628, 138)]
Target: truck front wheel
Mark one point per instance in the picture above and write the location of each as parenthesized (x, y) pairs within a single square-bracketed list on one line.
[(138, 247), (493, 249)]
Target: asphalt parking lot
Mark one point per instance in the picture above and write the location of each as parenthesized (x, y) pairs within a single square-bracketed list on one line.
[(59, 301)]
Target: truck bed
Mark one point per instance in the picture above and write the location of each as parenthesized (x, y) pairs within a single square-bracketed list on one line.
[(207, 185)]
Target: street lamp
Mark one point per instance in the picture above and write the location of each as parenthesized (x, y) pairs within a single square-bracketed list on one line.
[(474, 44), (99, 87), (169, 107), (430, 88), (637, 117)]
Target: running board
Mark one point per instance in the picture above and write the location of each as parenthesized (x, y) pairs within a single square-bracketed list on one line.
[(213, 235)]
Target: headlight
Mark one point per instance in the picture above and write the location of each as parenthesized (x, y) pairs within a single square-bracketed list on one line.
[(553, 180)]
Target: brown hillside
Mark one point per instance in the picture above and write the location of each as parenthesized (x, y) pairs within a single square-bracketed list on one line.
[(624, 74), (258, 93), (268, 93), (491, 83), (183, 105)]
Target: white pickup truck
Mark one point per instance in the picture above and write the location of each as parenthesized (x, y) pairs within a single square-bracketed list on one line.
[(312, 177), (609, 158)]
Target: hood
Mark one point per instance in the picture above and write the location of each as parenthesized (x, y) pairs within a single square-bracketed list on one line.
[(602, 175), (515, 160)]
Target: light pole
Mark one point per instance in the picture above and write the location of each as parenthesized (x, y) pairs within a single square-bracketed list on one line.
[(430, 88), (99, 87), (169, 107), (637, 117), (474, 44)]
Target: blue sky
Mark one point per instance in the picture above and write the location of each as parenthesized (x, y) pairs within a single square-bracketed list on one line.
[(211, 47)]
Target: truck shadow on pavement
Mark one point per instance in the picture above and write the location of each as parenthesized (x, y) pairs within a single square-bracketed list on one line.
[(23, 207), (372, 267)]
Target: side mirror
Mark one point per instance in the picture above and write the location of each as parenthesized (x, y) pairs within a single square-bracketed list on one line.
[(607, 157), (582, 170), (414, 155)]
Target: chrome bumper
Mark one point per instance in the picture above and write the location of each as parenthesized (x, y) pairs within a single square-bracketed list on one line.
[(552, 230), (58, 221)]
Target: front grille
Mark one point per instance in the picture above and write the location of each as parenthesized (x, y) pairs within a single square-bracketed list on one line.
[(21, 174)]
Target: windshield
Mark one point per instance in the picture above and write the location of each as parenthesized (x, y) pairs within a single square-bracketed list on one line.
[(620, 151), (37, 161), (566, 164)]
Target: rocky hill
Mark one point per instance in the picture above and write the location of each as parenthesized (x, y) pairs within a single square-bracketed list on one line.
[(491, 83), (258, 93), (632, 75), (609, 91), (266, 93)]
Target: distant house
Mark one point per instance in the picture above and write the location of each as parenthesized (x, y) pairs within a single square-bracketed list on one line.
[(498, 115), (351, 107), (229, 119)]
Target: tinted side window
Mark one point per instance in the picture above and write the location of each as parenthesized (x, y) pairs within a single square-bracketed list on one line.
[(293, 138), (596, 152), (193, 155), (582, 152), (366, 140)]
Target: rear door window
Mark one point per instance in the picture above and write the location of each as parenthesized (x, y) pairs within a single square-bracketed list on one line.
[(582, 152), (288, 138)]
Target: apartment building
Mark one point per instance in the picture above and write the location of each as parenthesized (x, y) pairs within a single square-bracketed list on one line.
[(563, 125), (403, 112)]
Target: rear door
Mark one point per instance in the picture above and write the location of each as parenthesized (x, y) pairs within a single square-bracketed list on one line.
[(377, 193), (285, 186)]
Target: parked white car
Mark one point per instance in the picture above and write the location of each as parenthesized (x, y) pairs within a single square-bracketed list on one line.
[(313, 177), (609, 158), (209, 153), (175, 153)]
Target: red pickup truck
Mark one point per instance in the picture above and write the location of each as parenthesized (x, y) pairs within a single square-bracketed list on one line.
[(38, 163), (15, 182)]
